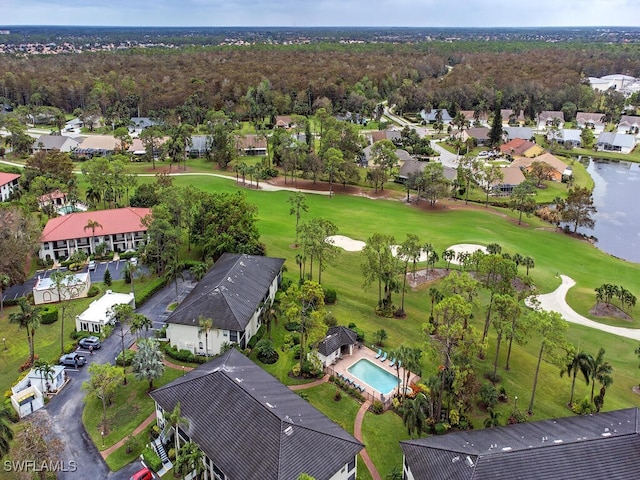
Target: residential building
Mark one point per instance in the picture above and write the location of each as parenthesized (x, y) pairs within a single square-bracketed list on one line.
[(366, 160), (232, 294), (55, 142), (432, 115), (394, 136), (512, 177), (284, 121), (570, 138), (97, 146), (74, 286), (601, 445), (251, 145), (510, 133), (8, 184), (510, 117), (416, 167), (479, 134), (138, 124), (28, 394), (560, 170), (120, 228), (57, 198), (480, 118), (100, 311), (520, 147), (616, 142), (199, 146), (594, 121), (251, 427), (550, 118), (629, 124), (339, 341)]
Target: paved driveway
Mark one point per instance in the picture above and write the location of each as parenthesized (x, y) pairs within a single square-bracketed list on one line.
[(65, 409)]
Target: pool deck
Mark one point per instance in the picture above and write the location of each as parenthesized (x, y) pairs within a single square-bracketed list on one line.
[(359, 353)]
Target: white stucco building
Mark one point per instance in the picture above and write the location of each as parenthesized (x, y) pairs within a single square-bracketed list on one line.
[(73, 286), (100, 312)]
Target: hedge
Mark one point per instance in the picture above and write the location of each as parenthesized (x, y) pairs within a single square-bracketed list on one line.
[(258, 336), (184, 355), (11, 302), (148, 290), (49, 315), (128, 358), (152, 459)]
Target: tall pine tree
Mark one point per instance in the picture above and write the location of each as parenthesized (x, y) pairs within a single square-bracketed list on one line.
[(495, 134)]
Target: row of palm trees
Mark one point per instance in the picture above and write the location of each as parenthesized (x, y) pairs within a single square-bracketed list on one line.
[(592, 369)]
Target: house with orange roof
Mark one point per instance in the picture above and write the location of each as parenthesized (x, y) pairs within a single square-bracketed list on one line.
[(121, 229), (560, 169), (8, 184), (519, 147)]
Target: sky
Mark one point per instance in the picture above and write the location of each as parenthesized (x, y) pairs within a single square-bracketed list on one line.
[(302, 13)]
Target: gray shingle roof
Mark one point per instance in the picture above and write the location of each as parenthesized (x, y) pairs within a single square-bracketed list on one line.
[(604, 445), (336, 338), (253, 427), (230, 292)]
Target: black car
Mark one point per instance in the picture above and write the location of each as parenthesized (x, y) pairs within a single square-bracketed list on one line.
[(90, 342), (72, 360)]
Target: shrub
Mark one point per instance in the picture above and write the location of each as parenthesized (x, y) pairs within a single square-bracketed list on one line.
[(183, 355), (330, 320), (266, 353), (259, 334), (441, 428), (77, 335), (377, 407), (70, 347), (292, 338), (337, 396), (172, 454), (128, 358), (131, 443), (49, 315), (152, 459), (107, 277), (93, 291), (488, 395), (11, 302), (330, 296), (359, 333), (296, 351), (127, 255), (292, 327), (148, 290)]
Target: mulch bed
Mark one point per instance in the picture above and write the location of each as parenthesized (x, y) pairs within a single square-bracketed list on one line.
[(607, 310)]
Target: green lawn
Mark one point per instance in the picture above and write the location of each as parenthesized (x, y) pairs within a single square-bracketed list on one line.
[(130, 407)]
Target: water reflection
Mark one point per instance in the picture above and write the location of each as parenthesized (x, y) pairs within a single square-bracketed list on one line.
[(615, 195)]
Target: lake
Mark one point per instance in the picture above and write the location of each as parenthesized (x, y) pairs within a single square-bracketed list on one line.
[(616, 198)]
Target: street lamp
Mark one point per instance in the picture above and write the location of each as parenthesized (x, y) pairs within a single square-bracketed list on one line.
[(183, 370), (4, 341), (515, 403), (102, 435)]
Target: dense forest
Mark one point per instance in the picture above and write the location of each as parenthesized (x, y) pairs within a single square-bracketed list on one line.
[(533, 76)]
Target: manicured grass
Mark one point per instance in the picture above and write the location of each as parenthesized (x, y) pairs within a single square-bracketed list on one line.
[(382, 434), (130, 407), (343, 411), (121, 458)]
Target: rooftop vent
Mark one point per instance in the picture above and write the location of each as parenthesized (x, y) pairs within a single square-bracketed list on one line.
[(557, 441), (239, 380), (506, 449), (469, 461), (269, 405), (455, 459), (288, 431)]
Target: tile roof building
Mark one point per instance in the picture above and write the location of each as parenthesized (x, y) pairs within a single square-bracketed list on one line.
[(8, 183), (251, 427), (603, 445), (120, 228), (232, 294)]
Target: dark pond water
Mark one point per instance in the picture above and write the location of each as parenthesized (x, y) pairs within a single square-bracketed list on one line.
[(617, 198)]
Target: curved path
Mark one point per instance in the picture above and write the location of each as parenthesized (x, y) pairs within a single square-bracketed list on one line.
[(556, 302)]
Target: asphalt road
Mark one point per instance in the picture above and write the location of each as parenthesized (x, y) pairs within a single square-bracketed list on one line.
[(96, 275), (65, 409)]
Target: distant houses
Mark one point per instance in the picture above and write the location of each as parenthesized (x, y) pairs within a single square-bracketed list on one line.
[(8, 185)]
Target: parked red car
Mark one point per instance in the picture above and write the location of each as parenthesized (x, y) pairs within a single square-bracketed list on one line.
[(144, 474)]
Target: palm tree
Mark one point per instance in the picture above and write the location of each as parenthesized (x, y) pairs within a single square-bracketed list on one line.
[(92, 225), (413, 414), (270, 314), (577, 362), (204, 326), (601, 371), (175, 420), (190, 459), (493, 420), (529, 262), (46, 371), (138, 322), (4, 281), (147, 362), (93, 196), (29, 318), (6, 433)]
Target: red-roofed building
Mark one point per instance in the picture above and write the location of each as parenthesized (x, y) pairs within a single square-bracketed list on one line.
[(8, 183), (519, 147), (121, 229)]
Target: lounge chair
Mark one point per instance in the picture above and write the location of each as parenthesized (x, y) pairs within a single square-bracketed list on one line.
[(393, 362), (384, 357), (379, 353), (361, 388), (399, 363)]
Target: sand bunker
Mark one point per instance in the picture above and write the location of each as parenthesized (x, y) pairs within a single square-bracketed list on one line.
[(346, 243), (394, 251), (465, 247)]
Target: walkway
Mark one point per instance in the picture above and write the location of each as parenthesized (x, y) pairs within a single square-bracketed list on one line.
[(556, 302), (357, 427), (139, 429)]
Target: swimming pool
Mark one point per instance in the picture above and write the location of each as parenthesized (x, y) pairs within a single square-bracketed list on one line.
[(374, 376)]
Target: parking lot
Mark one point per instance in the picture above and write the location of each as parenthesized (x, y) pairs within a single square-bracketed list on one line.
[(97, 275)]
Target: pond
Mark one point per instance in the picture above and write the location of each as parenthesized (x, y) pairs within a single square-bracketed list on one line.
[(616, 196)]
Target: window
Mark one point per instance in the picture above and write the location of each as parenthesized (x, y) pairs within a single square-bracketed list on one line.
[(200, 345), (233, 336), (352, 464)]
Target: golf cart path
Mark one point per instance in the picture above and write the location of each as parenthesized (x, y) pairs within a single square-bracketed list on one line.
[(556, 302)]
